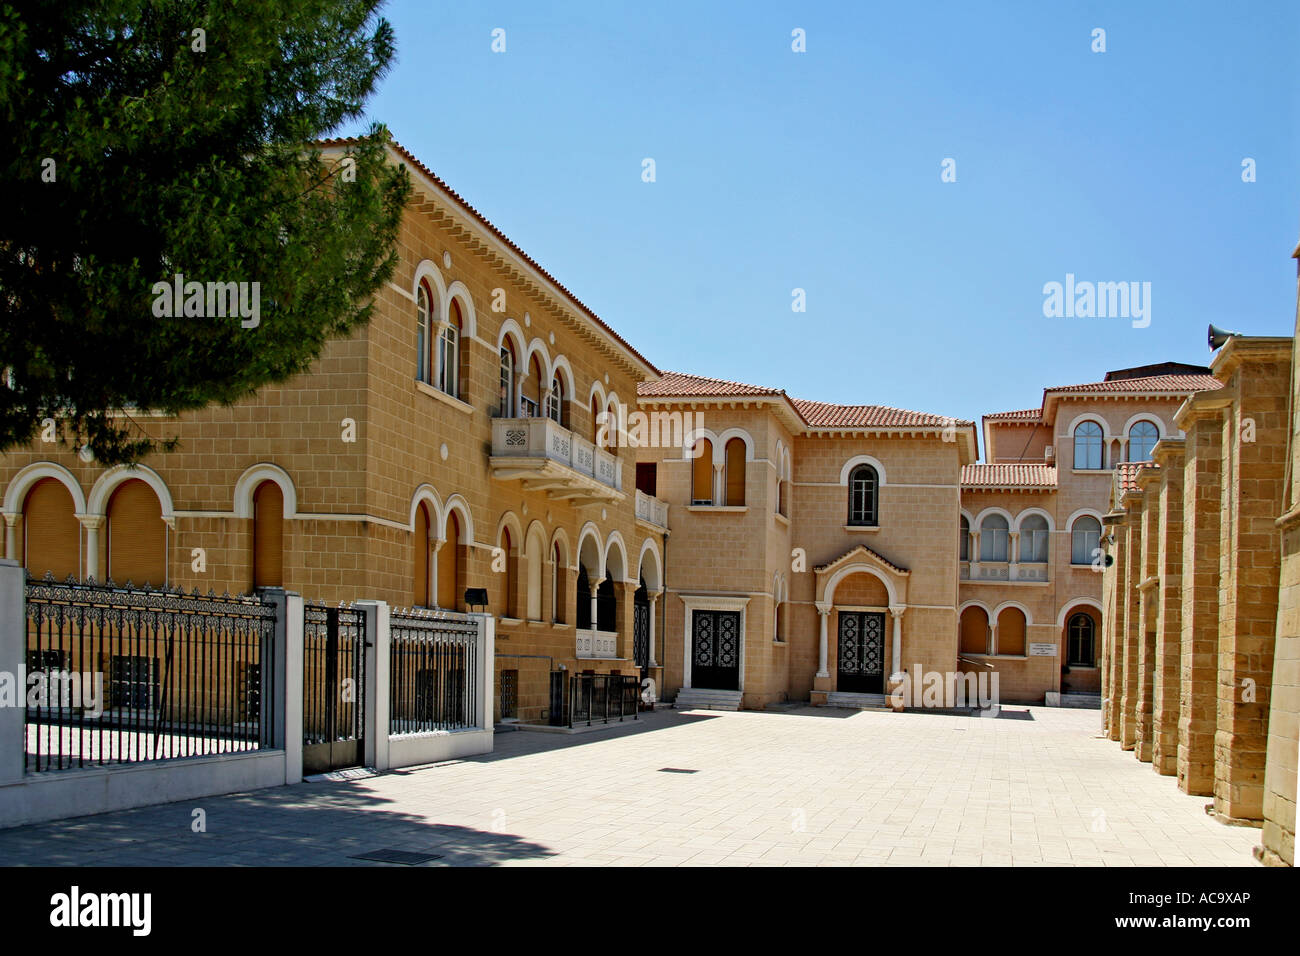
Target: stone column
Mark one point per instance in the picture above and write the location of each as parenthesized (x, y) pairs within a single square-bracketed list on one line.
[(92, 524), (1169, 568), (11, 537), (1257, 371), (896, 656), (1115, 625), (823, 614), (1131, 637), (654, 603), (1148, 594), (595, 589), (1200, 419)]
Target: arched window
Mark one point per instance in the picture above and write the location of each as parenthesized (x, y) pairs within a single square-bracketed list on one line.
[(735, 472), (702, 473), (137, 537), (1087, 446), (1081, 632), (1011, 632), (963, 544), (420, 558), (993, 538), (863, 496), (507, 380), (510, 604), (555, 403), (1085, 538), (606, 606), (1033, 540), (268, 536), (595, 421), (974, 637), (51, 531), (611, 421), (557, 585), (448, 565), (449, 353), (530, 403), (535, 557), (1142, 438), (422, 326), (583, 616)]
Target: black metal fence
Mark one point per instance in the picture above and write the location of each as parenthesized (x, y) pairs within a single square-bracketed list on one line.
[(124, 675), (333, 686), (434, 671), (600, 698)]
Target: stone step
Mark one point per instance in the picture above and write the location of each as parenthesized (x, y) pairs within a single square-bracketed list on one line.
[(703, 698), (857, 701), (1084, 701)]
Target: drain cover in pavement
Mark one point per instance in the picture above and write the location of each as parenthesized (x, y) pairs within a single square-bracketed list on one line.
[(676, 770), (405, 857)]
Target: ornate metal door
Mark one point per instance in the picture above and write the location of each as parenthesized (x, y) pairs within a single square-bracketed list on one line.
[(641, 631), (715, 650), (861, 653)]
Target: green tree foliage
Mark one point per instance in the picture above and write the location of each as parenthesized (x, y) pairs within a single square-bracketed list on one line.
[(146, 138)]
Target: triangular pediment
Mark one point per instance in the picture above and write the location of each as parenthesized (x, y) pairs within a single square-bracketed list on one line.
[(863, 555)]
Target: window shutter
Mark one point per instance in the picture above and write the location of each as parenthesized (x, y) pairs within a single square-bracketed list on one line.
[(268, 536), (137, 537), (51, 531)]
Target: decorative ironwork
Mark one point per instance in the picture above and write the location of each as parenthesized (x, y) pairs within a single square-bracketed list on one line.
[(861, 665), (434, 671), (516, 437), (128, 674), (334, 687), (715, 649)]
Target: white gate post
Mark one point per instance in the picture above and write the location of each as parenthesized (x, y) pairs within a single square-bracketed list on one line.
[(13, 646), (378, 642), (487, 637), (286, 681)]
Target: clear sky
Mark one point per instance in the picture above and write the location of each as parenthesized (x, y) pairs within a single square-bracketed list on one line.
[(821, 170)]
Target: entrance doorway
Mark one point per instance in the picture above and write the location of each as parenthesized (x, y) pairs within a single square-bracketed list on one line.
[(861, 657), (715, 650)]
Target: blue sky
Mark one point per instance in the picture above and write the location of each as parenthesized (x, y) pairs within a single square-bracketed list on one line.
[(778, 170)]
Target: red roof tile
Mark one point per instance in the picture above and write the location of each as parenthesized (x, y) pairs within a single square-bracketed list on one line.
[(483, 220), (1009, 474), (1153, 383), (682, 385), (1024, 414), (825, 415), (1126, 473)]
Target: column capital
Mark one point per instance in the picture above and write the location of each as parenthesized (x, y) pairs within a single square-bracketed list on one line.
[(11, 518), (823, 609), (897, 609), (91, 522)]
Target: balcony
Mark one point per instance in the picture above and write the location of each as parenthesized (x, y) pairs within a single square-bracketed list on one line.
[(1003, 572), (546, 456), (651, 510), (596, 645)]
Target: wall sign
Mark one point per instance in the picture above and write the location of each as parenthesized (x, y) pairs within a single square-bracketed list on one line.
[(1042, 650)]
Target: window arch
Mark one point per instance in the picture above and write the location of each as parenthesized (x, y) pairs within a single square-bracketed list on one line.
[(1011, 632), (963, 544), (555, 407), (864, 491), (557, 584), (1088, 446), (449, 565), (137, 537), (993, 538), (974, 638), (611, 421), (420, 558), (449, 352), (423, 325), (1085, 538), (1033, 539), (530, 402), (268, 536), (510, 580), (1081, 634), (507, 381), (702, 473), (51, 531), (535, 557), (734, 456), (1142, 438), (606, 606)]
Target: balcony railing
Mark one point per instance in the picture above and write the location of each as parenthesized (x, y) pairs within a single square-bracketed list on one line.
[(596, 645), (1003, 571), (650, 509), (547, 456)]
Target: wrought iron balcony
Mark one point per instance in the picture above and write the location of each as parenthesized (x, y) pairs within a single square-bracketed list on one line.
[(651, 510), (546, 456)]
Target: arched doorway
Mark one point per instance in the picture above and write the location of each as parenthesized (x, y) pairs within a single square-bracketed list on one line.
[(641, 629)]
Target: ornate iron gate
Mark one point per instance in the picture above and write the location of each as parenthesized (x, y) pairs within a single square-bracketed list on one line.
[(509, 694), (861, 653), (715, 649), (334, 688), (641, 631)]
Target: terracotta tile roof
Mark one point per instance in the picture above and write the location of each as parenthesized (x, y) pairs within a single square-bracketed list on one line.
[(1024, 414), (1126, 473), (1009, 474), (1153, 383), (483, 220), (825, 415), (680, 384)]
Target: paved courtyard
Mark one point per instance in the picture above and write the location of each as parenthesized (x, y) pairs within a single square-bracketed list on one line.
[(808, 786)]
